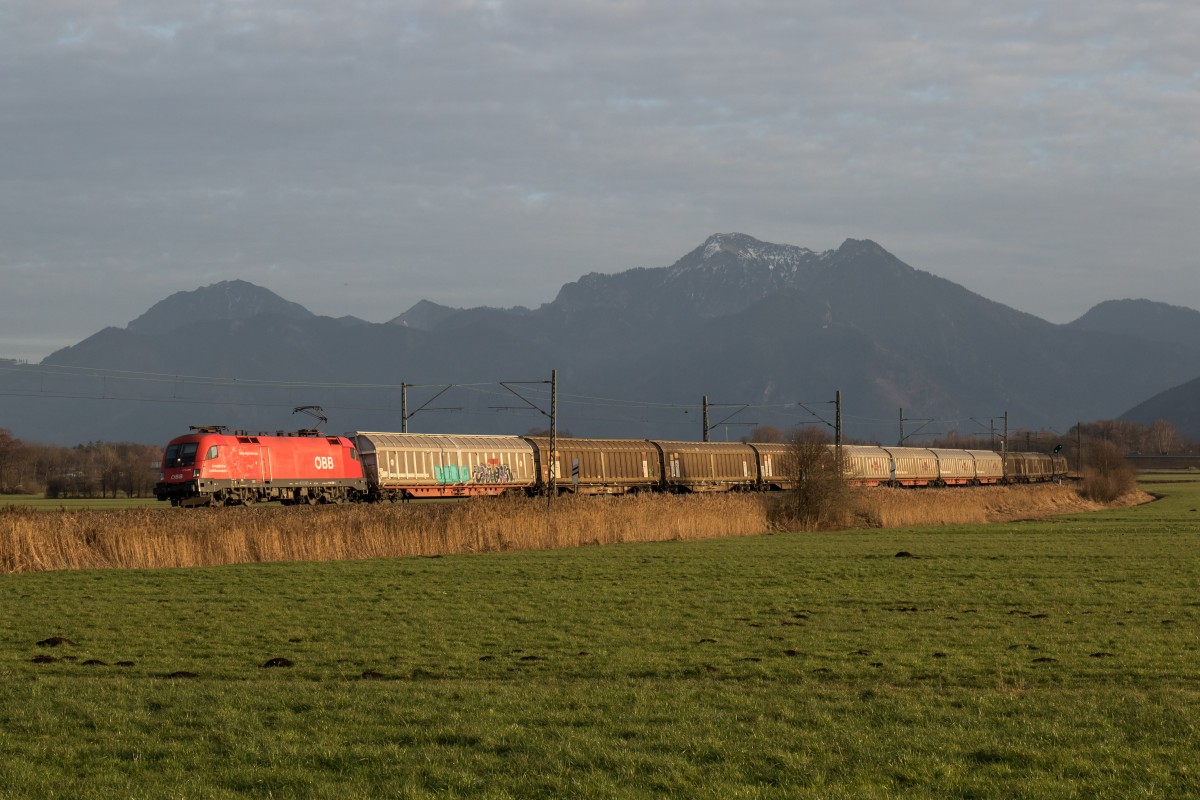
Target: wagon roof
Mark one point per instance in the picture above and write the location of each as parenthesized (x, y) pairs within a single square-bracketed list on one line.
[(701, 446), (771, 447), (568, 443), (444, 441)]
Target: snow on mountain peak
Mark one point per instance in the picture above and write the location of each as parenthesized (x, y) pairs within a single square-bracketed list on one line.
[(750, 251)]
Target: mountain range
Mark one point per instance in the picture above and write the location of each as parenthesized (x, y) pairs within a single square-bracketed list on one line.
[(767, 332)]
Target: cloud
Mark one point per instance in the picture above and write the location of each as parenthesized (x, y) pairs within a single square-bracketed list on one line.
[(358, 156)]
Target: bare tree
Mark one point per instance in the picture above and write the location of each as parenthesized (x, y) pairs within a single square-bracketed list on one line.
[(542, 433), (821, 498), (1164, 437), (765, 434), (10, 454)]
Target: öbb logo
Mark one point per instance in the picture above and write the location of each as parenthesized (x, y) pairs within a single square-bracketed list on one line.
[(323, 462)]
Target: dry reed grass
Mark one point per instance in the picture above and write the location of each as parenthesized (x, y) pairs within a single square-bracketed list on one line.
[(34, 541), (894, 508), (157, 538)]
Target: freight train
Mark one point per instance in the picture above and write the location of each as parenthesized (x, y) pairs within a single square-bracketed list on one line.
[(211, 466)]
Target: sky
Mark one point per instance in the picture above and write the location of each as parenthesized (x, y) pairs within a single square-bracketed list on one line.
[(357, 156)]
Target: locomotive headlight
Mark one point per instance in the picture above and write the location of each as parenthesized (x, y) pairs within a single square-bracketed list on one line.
[(162, 477), (195, 473)]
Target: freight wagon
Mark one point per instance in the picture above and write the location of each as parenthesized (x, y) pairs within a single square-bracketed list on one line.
[(1033, 467), (400, 465), (598, 466), (707, 466), (774, 461)]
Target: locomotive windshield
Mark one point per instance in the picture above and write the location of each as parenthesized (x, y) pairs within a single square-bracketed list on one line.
[(180, 455)]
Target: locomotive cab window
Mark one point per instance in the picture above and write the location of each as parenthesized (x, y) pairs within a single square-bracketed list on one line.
[(211, 454), (181, 455), (353, 454)]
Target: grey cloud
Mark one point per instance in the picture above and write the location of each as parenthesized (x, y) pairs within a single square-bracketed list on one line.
[(359, 156)]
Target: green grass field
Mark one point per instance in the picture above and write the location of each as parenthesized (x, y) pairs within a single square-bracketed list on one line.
[(1041, 659), (71, 504)]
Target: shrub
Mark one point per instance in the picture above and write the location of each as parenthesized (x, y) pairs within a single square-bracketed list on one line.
[(1106, 474), (821, 498)]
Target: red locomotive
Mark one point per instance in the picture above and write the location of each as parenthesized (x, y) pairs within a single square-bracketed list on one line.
[(211, 467)]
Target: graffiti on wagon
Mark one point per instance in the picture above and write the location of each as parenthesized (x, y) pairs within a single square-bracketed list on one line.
[(491, 472)]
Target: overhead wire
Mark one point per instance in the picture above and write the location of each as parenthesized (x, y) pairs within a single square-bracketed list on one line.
[(793, 413)]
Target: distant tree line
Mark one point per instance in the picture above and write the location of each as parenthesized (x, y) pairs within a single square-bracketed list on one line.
[(95, 469), (1129, 438)]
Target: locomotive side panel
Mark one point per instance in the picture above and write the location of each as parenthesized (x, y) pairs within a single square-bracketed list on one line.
[(301, 460), (248, 464)]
